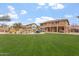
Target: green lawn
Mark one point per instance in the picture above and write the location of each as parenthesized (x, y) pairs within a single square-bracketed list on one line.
[(39, 45)]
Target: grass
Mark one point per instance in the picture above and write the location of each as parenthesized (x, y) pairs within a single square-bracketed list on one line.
[(39, 45)]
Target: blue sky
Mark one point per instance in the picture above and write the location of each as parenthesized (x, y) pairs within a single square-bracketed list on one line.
[(26, 13)]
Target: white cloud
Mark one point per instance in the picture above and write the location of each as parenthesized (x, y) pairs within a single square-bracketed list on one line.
[(29, 19), (13, 15), (68, 16), (52, 5), (11, 8), (43, 19), (57, 6), (41, 4), (11, 23), (1, 15), (23, 12), (8, 23)]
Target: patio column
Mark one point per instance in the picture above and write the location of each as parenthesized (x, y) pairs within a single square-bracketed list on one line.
[(57, 28), (50, 29)]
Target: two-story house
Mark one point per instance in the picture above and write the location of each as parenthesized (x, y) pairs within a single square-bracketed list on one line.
[(60, 25)]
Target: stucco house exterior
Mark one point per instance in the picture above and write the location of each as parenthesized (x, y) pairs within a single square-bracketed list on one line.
[(60, 25), (74, 28), (4, 28)]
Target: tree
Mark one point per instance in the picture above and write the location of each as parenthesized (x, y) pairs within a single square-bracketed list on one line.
[(17, 26), (77, 16), (5, 18)]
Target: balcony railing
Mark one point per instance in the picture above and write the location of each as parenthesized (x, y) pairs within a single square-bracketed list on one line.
[(52, 25)]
